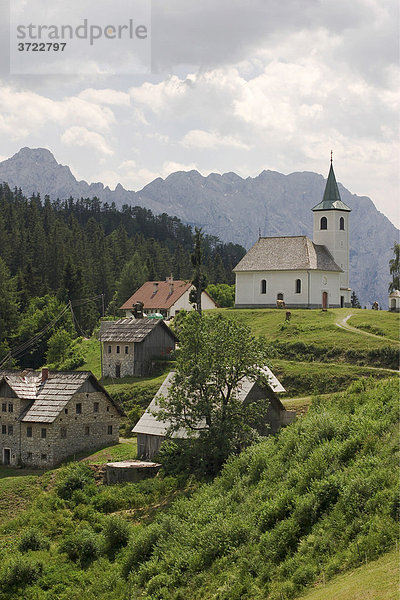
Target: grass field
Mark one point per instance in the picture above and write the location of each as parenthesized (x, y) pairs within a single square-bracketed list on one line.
[(380, 323), (379, 580), (318, 327)]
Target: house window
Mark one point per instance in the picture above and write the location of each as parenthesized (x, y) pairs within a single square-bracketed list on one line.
[(29, 431), (341, 224), (87, 430), (324, 223), (10, 430), (10, 407), (43, 456), (4, 407), (126, 349), (29, 456), (63, 433), (43, 433), (108, 409), (117, 349), (95, 407), (298, 286), (4, 429), (66, 411), (263, 286), (109, 430), (79, 408), (109, 349)]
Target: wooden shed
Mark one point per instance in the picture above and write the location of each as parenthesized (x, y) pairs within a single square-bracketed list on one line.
[(130, 345), (151, 432)]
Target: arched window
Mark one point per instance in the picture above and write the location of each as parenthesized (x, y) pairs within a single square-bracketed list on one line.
[(298, 286), (263, 286), (341, 224), (279, 297), (324, 223)]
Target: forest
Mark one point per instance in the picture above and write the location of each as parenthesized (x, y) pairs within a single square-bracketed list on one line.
[(89, 253)]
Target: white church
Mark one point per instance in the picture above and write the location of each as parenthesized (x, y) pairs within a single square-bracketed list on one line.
[(300, 272)]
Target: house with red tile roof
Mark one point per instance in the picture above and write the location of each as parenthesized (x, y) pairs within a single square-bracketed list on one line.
[(166, 298)]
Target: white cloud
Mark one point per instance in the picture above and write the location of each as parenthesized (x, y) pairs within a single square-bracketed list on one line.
[(197, 138), (80, 136), (105, 96)]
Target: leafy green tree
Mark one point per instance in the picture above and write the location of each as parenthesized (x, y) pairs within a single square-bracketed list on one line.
[(394, 265), (199, 280), (222, 293), (216, 355), (64, 352), (43, 316)]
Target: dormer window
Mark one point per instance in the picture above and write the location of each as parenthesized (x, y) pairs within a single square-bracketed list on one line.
[(324, 223), (341, 224)]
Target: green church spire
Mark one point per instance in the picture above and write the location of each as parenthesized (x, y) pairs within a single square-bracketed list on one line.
[(331, 199)]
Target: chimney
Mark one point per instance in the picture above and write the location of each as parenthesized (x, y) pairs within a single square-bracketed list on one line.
[(45, 375), (155, 287)]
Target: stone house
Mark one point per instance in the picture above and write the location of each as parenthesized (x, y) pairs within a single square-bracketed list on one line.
[(166, 298), (47, 417), (297, 271), (129, 346), (151, 432)]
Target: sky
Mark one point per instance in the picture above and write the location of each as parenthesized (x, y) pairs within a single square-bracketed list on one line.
[(219, 86)]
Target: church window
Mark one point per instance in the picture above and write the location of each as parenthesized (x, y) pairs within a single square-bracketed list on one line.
[(341, 224), (279, 296), (324, 223), (298, 286), (263, 286)]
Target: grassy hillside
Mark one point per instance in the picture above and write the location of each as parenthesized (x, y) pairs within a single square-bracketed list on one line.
[(378, 580), (316, 500)]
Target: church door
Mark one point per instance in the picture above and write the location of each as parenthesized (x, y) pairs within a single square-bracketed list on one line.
[(324, 300)]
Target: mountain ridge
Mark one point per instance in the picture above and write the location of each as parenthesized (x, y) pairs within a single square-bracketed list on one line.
[(231, 207)]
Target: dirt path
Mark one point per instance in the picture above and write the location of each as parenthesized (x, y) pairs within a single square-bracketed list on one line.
[(343, 324)]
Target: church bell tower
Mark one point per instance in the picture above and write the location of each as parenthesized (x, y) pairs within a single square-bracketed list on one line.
[(331, 229)]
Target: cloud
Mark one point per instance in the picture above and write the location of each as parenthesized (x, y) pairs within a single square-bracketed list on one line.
[(80, 136), (197, 138), (105, 96)]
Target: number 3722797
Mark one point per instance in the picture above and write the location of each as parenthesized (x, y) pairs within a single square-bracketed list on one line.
[(41, 46)]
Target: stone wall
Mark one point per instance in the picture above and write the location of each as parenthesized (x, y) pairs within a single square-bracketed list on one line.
[(71, 432)]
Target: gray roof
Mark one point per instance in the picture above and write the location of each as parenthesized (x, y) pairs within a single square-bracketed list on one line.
[(50, 397), (148, 423), (289, 253), (129, 330)]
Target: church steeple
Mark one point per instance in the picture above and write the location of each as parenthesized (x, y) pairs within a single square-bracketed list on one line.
[(331, 199)]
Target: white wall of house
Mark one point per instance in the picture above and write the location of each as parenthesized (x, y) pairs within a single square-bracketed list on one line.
[(312, 285), (183, 303)]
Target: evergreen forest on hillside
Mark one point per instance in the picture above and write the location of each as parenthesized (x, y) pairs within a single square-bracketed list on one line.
[(91, 254)]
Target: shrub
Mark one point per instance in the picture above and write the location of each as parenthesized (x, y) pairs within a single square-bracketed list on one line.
[(32, 539), (141, 547), (116, 533), (21, 571), (81, 546), (75, 476)]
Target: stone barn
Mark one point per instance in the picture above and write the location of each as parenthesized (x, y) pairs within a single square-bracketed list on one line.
[(151, 432), (130, 345), (49, 416)]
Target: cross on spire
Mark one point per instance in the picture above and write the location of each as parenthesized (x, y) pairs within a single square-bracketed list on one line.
[(331, 156)]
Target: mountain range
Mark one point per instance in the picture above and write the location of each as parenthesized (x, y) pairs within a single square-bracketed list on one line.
[(233, 208)]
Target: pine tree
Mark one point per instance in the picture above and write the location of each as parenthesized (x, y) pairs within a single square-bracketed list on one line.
[(394, 265)]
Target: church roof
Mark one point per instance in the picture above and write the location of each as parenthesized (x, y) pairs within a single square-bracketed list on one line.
[(287, 254), (331, 199)]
